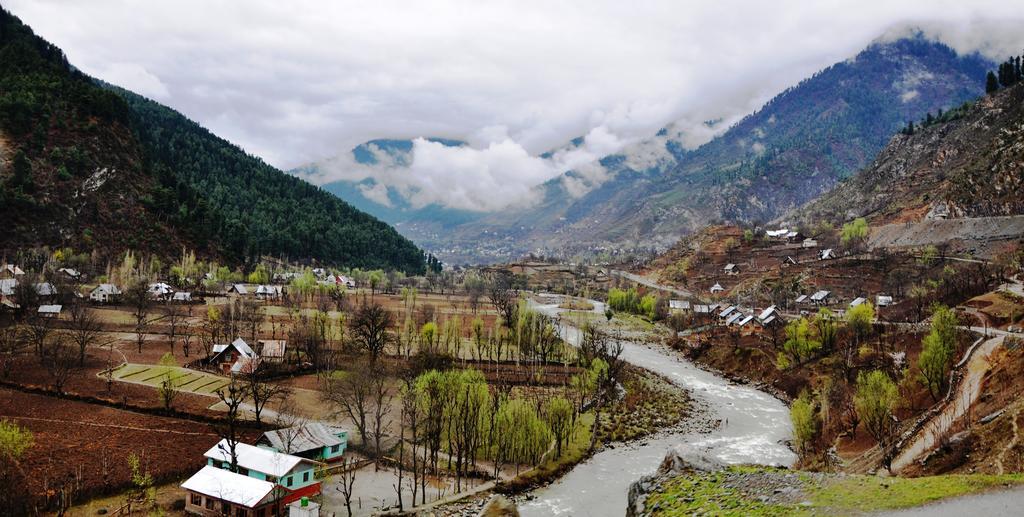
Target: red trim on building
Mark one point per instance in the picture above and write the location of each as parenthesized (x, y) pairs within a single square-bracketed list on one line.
[(306, 491)]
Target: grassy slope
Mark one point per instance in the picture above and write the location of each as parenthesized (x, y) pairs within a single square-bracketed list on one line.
[(719, 493)]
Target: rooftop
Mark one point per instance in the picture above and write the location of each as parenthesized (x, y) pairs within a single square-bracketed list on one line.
[(229, 486)]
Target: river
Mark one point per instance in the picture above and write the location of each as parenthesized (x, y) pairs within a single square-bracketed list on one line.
[(755, 427)]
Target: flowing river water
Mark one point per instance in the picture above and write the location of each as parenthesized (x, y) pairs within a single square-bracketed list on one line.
[(754, 429)]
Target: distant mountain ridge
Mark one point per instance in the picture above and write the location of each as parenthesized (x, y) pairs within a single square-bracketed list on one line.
[(796, 147), (966, 164), (793, 149), (96, 167)]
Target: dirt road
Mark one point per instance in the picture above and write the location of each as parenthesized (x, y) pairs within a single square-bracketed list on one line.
[(966, 395)]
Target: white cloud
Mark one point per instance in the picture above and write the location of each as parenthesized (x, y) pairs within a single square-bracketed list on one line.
[(296, 82)]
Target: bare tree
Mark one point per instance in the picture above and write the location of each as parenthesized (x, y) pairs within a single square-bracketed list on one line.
[(174, 316), (261, 390), (504, 297), (83, 329), (229, 428), (137, 298), (60, 361), (351, 394), (369, 328), (186, 337), (167, 391), (380, 401), (348, 481), (36, 331), (12, 344)]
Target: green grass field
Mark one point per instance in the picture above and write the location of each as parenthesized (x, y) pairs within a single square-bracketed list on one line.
[(184, 379)]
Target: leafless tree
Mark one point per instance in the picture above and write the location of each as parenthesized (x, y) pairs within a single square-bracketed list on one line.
[(136, 296), (229, 428), (12, 344), (351, 394), (60, 361), (348, 481), (174, 315), (186, 336), (83, 329), (370, 328), (36, 331), (261, 389), (380, 402), (504, 297)]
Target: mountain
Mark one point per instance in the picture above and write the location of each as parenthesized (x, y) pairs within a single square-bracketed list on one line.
[(963, 163), (799, 145), (388, 205), (96, 167)]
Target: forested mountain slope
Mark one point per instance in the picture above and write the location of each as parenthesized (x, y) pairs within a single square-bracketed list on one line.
[(100, 168), (966, 163), (799, 145)]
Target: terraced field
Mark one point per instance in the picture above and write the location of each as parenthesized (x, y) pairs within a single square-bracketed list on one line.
[(184, 379)]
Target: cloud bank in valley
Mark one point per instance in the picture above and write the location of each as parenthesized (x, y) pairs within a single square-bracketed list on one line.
[(300, 82)]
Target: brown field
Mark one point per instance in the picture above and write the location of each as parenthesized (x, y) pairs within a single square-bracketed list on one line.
[(90, 443)]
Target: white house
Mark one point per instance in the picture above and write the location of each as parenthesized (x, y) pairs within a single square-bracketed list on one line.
[(239, 289), (810, 243), (883, 300), (269, 292), (160, 291), (826, 254), (727, 312), (104, 293), (717, 288), (679, 305), (45, 289), (216, 491), (73, 274), (732, 269), (858, 301)]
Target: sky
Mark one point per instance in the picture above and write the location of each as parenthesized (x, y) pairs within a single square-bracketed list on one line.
[(300, 81)]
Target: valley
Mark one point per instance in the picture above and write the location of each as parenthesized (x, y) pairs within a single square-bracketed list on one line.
[(806, 305)]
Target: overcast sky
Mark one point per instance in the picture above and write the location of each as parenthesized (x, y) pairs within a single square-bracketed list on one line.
[(299, 81)]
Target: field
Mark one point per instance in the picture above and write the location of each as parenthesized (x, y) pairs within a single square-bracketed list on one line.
[(192, 381), (86, 445)]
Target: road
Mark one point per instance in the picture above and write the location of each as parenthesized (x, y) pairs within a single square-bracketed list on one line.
[(1001, 502), (642, 280), (967, 393)]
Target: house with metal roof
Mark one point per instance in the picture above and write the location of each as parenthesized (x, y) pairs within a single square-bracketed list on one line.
[(731, 269), (50, 311), (314, 440), (820, 297), (858, 301), (104, 293), (215, 491), (226, 357), (883, 300), (238, 289), (717, 288), (679, 305), (297, 476)]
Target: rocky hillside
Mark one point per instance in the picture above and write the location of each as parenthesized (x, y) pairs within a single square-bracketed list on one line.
[(796, 147), (970, 163), (96, 167)]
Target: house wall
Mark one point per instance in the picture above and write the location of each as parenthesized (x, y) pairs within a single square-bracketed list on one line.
[(266, 510)]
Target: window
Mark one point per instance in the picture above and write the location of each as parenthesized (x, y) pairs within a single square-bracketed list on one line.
[(272, 479), (209, 503), (288, 481), (261, 512), (197, 500), (243, 471), (241, 512), (334, 449), (225, 508), (305, 477)]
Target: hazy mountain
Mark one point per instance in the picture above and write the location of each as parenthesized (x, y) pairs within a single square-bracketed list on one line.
[(799, 145)]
